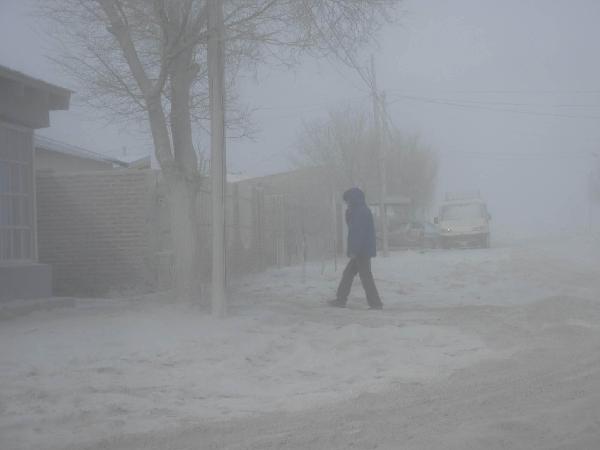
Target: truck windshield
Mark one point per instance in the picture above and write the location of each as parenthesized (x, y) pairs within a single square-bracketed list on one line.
[(462, 211)]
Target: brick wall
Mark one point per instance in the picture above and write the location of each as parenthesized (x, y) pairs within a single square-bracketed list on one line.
[(108, 232), (94, 229)]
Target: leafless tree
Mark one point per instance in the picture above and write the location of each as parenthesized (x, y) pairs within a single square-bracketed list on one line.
[(412, 169), (146, 59), (344, 145)]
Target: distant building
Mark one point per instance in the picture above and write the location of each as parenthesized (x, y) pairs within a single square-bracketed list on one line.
[(25, 105)]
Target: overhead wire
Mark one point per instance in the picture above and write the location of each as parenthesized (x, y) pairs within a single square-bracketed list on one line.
[(512, 91), (483, 107), (534, 105), (516, 155), (389, 125)]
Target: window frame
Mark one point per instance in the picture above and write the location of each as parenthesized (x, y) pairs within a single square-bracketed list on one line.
[(17, 195)]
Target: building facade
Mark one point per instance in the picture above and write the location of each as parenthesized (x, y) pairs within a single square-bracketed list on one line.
[(25, 104)]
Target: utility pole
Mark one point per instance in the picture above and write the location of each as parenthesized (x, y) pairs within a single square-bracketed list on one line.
[(218, 165), (380, 160)]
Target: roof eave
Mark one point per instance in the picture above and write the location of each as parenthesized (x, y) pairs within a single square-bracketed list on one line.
[(58, 97)]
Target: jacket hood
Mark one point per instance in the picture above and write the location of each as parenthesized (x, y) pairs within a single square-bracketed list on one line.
[(354, 197)]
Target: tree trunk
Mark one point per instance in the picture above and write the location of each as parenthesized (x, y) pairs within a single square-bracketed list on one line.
[(183, 186), (185, 238)]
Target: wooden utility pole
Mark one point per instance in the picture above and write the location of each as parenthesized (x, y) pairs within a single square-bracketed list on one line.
[(218, 165), (380, 160)]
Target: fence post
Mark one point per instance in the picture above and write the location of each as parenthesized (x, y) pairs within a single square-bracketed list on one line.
[(278, 201), (257, 223), (236, 247), (344, 230), (304, 252)]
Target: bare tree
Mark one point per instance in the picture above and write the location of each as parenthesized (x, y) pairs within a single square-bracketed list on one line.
[(146, 60), (341, 144), (344, 145), (412, 169)]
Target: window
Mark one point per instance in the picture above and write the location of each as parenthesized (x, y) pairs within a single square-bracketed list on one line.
[(464, 211), (16, 194)]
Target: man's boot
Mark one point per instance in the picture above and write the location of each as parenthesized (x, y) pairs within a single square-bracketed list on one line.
[(337, 303)]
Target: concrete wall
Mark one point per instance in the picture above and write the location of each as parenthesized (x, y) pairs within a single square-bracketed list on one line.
[(94, 229), (25, 281)]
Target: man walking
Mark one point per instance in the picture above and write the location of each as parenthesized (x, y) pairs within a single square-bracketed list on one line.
[(361, 248)]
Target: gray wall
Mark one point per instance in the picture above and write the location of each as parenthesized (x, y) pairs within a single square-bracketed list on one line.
[(94, 229)]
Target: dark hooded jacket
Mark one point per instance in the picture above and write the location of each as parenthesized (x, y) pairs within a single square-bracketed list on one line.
[(361, 229)]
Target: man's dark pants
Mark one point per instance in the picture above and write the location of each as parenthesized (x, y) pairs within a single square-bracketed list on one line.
[(362, 266)]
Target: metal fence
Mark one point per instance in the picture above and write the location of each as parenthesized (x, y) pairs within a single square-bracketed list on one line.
[(264, 228)]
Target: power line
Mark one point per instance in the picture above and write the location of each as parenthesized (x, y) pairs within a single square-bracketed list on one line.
[(535, 105), (516, 155), (513, 91), (465, 102), (466, 105)]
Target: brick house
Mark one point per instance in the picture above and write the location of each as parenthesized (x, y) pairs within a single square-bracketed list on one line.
[(25, 104)]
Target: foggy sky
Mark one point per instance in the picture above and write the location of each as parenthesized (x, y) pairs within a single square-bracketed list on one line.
[(507, 92)]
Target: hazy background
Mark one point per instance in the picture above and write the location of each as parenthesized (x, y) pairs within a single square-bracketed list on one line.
[(507, 92)]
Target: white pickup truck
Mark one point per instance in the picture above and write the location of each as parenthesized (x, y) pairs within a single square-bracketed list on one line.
[(464, 221)]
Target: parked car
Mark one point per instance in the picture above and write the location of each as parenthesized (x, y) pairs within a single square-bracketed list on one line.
[(403, 232), (414, 234), (464, 221)]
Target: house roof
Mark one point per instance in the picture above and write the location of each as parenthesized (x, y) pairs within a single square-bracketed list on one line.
[(141, 163), (302, 171), (58, 97), (45, 143)]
